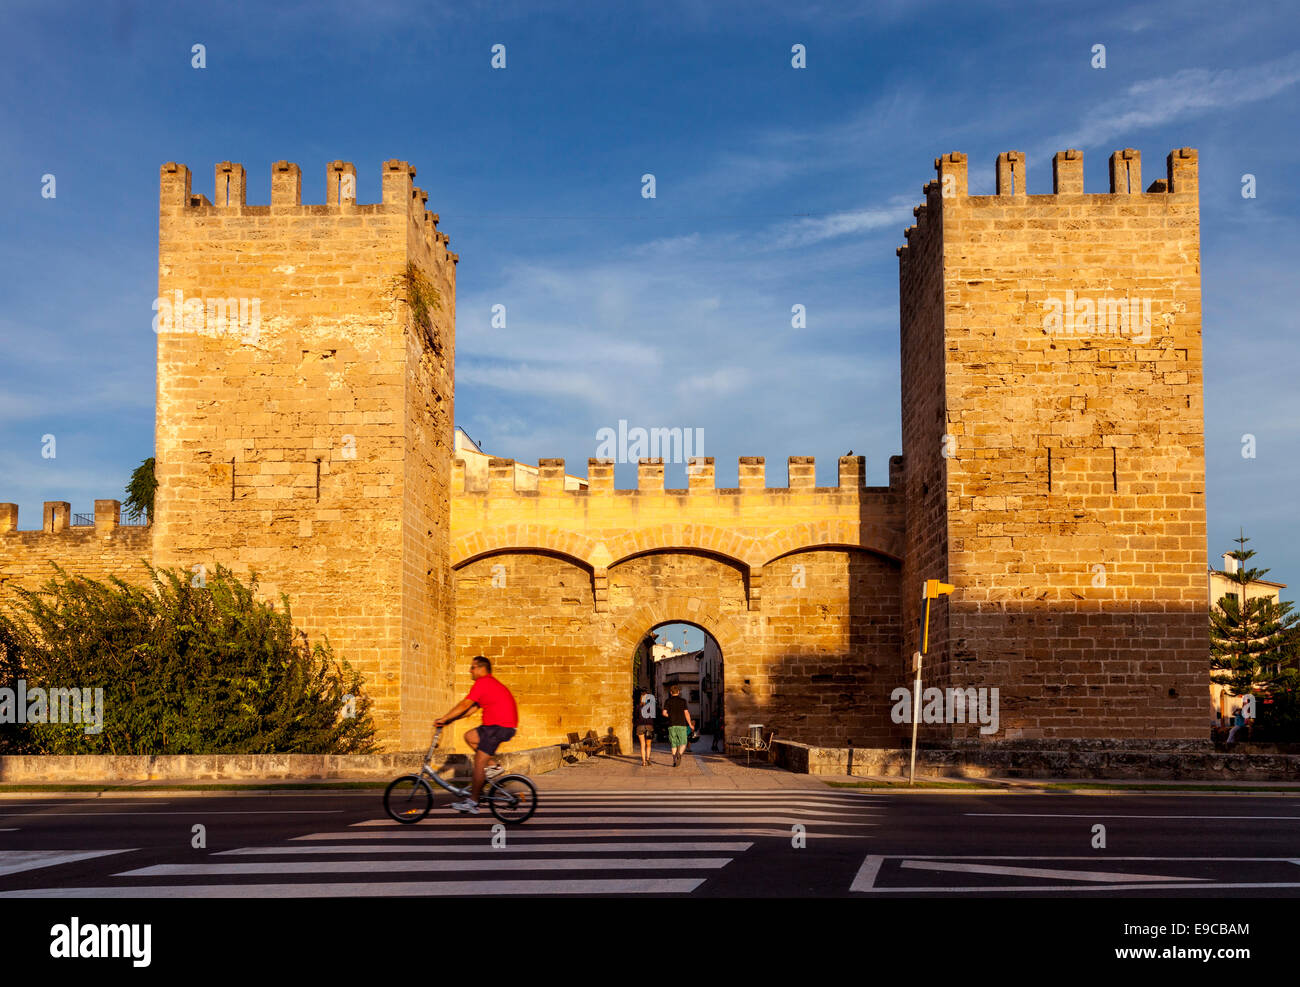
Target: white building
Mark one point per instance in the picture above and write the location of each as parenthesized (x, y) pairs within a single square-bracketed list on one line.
[(476, 467)]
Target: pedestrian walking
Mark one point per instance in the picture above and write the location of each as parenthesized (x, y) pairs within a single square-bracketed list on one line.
[(643, 718), (680, 724)]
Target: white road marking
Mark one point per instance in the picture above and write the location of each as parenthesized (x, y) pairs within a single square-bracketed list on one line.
[(867, 874), (592, 886), (482, 847), (424, 866), (14, 861), (1100, 876), (1036, 888), (1110, 815), (693, 796), (1094, 858), (701, 792), (534, 831), (197, 810), (682, 810), (715, 820), (667, 807)]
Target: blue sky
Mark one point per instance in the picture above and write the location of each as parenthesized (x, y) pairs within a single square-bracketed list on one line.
[(775, 187)]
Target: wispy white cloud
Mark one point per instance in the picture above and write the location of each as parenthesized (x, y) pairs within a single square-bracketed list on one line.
[(1181, 95), (814, 229)]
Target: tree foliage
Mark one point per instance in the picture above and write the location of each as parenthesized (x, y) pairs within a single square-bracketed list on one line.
[(1254, 644), (187, 665), (140, 491)]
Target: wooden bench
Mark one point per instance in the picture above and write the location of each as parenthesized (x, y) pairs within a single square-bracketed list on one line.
[(588, 745)]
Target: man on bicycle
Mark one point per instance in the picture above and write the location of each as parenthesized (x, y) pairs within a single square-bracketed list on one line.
[(500, 719)]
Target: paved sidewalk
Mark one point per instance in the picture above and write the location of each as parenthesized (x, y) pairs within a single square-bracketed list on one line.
[(705, 770), (994, 784)]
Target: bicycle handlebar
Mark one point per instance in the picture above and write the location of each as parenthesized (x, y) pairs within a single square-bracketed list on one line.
[(437, 732)]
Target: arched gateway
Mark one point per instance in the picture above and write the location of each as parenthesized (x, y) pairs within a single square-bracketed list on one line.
[(799, 585)]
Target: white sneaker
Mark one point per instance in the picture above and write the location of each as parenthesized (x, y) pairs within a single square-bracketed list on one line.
[(467, 805), (493, 770)]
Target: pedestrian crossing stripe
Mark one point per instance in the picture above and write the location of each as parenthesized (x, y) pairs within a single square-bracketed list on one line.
[(535, 831), (392, 889), (17, 861), (479, 847), (502, 861), (484, 817), (575, 832)]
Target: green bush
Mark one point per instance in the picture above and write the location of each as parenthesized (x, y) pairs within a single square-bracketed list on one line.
[(185, 669)]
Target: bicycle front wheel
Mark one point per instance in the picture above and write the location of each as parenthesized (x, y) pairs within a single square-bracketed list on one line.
[(408, 799), (512, 799)]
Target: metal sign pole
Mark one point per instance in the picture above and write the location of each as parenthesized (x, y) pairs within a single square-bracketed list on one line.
[(930, 589)]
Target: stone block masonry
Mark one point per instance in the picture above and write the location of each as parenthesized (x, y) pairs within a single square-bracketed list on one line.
[(316, 449), (797, 583), (98, 551), (1054, 453), (1052, 469)]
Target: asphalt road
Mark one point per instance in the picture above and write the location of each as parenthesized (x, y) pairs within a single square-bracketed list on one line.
[(774, 843)]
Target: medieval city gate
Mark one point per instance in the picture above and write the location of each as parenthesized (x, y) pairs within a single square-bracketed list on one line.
[(1053, 469), (799, 585)]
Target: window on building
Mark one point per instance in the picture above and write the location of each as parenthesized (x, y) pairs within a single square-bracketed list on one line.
[(695, 695)]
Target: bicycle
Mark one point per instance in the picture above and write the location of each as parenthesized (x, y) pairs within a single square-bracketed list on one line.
[(408, 799)]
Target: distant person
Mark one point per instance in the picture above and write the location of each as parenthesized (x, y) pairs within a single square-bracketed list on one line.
[(717, 732), (1238, 724), (680, 724), (643, 718)]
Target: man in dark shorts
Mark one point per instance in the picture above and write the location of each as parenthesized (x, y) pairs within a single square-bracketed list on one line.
[(680, 724), (500, 719)]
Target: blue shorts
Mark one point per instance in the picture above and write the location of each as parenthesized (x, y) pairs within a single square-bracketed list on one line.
[(492, 737)]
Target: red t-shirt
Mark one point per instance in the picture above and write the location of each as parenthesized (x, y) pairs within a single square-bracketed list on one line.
[(495, 700)]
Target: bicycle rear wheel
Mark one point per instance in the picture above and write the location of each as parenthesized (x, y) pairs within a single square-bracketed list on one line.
[(408, 799), (512, 799)]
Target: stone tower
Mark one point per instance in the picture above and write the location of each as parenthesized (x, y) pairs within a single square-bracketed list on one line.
[(304, 420), (1054, 453)]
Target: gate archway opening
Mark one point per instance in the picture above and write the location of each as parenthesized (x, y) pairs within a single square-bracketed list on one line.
[(678, 652)]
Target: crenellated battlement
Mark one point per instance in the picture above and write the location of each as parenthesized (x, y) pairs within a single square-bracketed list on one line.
[(57, 517), (1179, 187), (504, 479), (230, 197)]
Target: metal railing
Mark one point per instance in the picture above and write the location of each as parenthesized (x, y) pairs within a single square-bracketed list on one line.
[(88, 521)]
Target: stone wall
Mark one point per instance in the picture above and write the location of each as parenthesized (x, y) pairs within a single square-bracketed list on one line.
[(18, 769), (798, 584), (1075, 489), (1079, 760), (27, 558), (310, 441), (1056, 477)]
